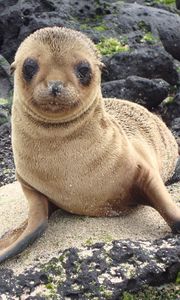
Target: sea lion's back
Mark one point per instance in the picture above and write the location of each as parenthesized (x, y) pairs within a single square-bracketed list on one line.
[(141, 125)]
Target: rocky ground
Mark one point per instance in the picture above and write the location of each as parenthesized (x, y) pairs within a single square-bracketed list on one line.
[(101, 271), (140, 48)]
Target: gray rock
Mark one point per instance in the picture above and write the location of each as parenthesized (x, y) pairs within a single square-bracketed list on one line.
[(3, 117), (6, 83), (144, 62), (147, 92), (161, 23)]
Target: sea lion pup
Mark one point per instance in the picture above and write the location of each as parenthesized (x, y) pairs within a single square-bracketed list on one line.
[(85, 154)]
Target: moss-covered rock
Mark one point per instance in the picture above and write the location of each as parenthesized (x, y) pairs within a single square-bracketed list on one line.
[(111, 46)]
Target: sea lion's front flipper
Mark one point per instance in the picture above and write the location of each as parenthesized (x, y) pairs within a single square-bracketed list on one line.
[(155, 194), (19, 239)]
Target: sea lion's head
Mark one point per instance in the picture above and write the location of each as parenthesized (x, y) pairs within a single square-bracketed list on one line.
[(57, 73)]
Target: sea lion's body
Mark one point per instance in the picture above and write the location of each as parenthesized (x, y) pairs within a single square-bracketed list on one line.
[(91, 169), (72, 148)]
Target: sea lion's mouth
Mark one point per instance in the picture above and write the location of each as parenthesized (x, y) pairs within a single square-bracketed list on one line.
[(55, 105), (55, 100)]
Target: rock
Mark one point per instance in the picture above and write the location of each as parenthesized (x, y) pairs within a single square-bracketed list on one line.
[(128, 20), (17, 21), (175, 126), (144, 62), (171, 111), (147, 92), (161, 23), (178, 4), (6, 82), (176, 175), (101, 271), (7, 169), (3, 117)]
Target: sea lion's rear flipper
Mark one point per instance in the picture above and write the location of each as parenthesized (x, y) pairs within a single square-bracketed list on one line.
[(19, 239), (155, 194), (12, 235)]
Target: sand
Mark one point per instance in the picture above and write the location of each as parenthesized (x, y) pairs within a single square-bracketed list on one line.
[(66, 230)]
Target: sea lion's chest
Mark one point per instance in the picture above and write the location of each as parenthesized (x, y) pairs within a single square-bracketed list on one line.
[(79, 175)]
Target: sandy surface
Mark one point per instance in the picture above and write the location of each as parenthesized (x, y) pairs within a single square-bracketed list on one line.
[(67, 230)]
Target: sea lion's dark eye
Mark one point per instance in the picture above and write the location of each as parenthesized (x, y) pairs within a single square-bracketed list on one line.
[(30, 68), (83, 72)]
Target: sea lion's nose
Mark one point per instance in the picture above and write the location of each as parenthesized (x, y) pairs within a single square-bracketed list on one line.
[(55, 87)]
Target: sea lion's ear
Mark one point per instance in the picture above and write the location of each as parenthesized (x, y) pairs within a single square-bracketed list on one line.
[(12, 68)]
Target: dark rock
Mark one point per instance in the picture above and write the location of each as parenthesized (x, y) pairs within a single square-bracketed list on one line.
[(104, 273), (6, 84), (147, 92), (178, 4), (131, 20), (170, 111), (162, 24), (18, 19), (144, 62), (6, 276), (175, 126), (176, 175), (7, 171), (3, 117)]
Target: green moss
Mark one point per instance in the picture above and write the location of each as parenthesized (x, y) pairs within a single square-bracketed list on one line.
[(178, 278), (144, 26), (6, 171), (178, 69), (89, 242), (84, 27), (106, 294), (168, 100), (107, 238), (111, 46), (96, 19), (166, 292), (51, 291), (165, 2), (100, 28), (3, 101), (127, 296), (50, 286), (148, 37), (7, 102), (62, 258)]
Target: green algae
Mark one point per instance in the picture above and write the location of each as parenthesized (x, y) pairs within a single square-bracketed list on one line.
[(165, 292), (150, 38), (165, 2), (111, 46)]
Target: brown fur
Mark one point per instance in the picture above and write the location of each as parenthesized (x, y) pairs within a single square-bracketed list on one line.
[(86, 155)]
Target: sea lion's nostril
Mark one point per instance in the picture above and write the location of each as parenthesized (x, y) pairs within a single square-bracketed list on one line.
[(55, 87)]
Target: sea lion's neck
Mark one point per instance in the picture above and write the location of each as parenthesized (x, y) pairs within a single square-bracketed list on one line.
[(39, 127)]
